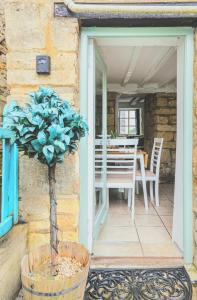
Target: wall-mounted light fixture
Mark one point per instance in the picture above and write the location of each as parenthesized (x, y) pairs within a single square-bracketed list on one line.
[(43, 64)]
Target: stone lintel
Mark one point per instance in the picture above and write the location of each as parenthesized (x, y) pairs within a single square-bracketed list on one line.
[(60, 10)]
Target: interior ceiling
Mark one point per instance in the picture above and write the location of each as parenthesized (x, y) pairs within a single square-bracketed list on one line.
[(136, 68)]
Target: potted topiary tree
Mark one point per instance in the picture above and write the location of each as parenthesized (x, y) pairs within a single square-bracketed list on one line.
[(46, 129)]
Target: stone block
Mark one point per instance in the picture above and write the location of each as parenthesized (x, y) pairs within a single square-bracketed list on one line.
[(39, 226), (13, 247), (65, 34), (173, 153), (169, 145), (37, 239), (69, 236), (167, 136), (67, 222), (165, 111), (172, 102), (161, 127), (161, 102), (68, 204), (161, 120), (22, 60), (66, 76), (25, 28), (165, 156), (172, 119)]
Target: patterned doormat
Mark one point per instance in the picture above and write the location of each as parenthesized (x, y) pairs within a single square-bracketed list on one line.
[(139, 284)]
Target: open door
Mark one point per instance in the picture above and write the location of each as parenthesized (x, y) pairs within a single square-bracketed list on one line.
[(177, 229), (101, 201)]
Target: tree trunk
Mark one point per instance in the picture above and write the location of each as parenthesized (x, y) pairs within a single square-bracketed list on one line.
[(53, 222)]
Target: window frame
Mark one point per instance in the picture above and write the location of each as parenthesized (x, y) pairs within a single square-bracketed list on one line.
[(138, 122)]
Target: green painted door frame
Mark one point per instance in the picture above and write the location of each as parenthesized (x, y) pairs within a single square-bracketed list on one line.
[(187, 34)]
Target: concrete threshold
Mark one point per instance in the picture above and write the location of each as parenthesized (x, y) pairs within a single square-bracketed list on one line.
[(135, 262)]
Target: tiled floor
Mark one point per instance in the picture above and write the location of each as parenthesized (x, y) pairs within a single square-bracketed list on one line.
[(149, 236)]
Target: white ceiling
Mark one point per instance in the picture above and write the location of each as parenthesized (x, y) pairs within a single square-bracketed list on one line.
[(140, 65)]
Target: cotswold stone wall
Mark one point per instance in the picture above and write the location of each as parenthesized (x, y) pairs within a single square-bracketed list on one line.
[(111, 103), (3, 50), (160, 121), (31, 30)]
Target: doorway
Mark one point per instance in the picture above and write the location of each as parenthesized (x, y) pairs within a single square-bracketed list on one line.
[(174, 42)]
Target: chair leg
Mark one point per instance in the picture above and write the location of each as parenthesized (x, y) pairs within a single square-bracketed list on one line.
[(125, 194), (151, 191), (157, 193), (145, 193), (129, 198), (133, 206), (137, 187)]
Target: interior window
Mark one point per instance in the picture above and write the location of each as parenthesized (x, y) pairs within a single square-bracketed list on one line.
[(129, 121)]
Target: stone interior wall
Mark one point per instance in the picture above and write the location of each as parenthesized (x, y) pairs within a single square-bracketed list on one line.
[(160, 121), (31, 30), (111, 102)]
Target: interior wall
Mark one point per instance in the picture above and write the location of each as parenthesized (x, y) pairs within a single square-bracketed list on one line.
[(111, 104), (160, 121)]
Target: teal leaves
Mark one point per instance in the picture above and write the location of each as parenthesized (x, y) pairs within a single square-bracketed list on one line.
[(42, 138), (47, 127), (48, 152)]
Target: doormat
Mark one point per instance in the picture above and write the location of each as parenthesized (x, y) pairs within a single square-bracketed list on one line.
[(139, 284)]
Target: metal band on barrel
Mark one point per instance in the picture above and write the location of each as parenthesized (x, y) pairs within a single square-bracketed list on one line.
[(62, 292)]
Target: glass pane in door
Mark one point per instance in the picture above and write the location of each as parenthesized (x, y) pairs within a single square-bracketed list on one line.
[(100, 202)]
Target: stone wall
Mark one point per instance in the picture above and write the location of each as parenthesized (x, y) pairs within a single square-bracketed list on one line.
[(3, 50), (111, 103), (31, 30), (160, 121)]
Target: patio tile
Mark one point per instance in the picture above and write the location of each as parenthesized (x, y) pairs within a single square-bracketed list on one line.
[(119, 220), (124, 233), (164, 210), (148, 220), (167, 220), (142, 211), (153, 234), (161, 250), (118, 209), (118, 249), (169, 229)]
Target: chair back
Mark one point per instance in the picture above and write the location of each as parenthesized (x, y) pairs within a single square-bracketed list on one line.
[(120, 157), (156, 156)]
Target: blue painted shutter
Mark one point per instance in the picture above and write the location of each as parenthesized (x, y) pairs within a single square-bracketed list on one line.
[(9, 202)]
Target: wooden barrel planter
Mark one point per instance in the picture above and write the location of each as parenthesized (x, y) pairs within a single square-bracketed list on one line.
[(43, 288)]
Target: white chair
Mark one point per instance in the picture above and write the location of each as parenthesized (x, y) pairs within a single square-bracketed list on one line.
[(120, 167), (152, 175)]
